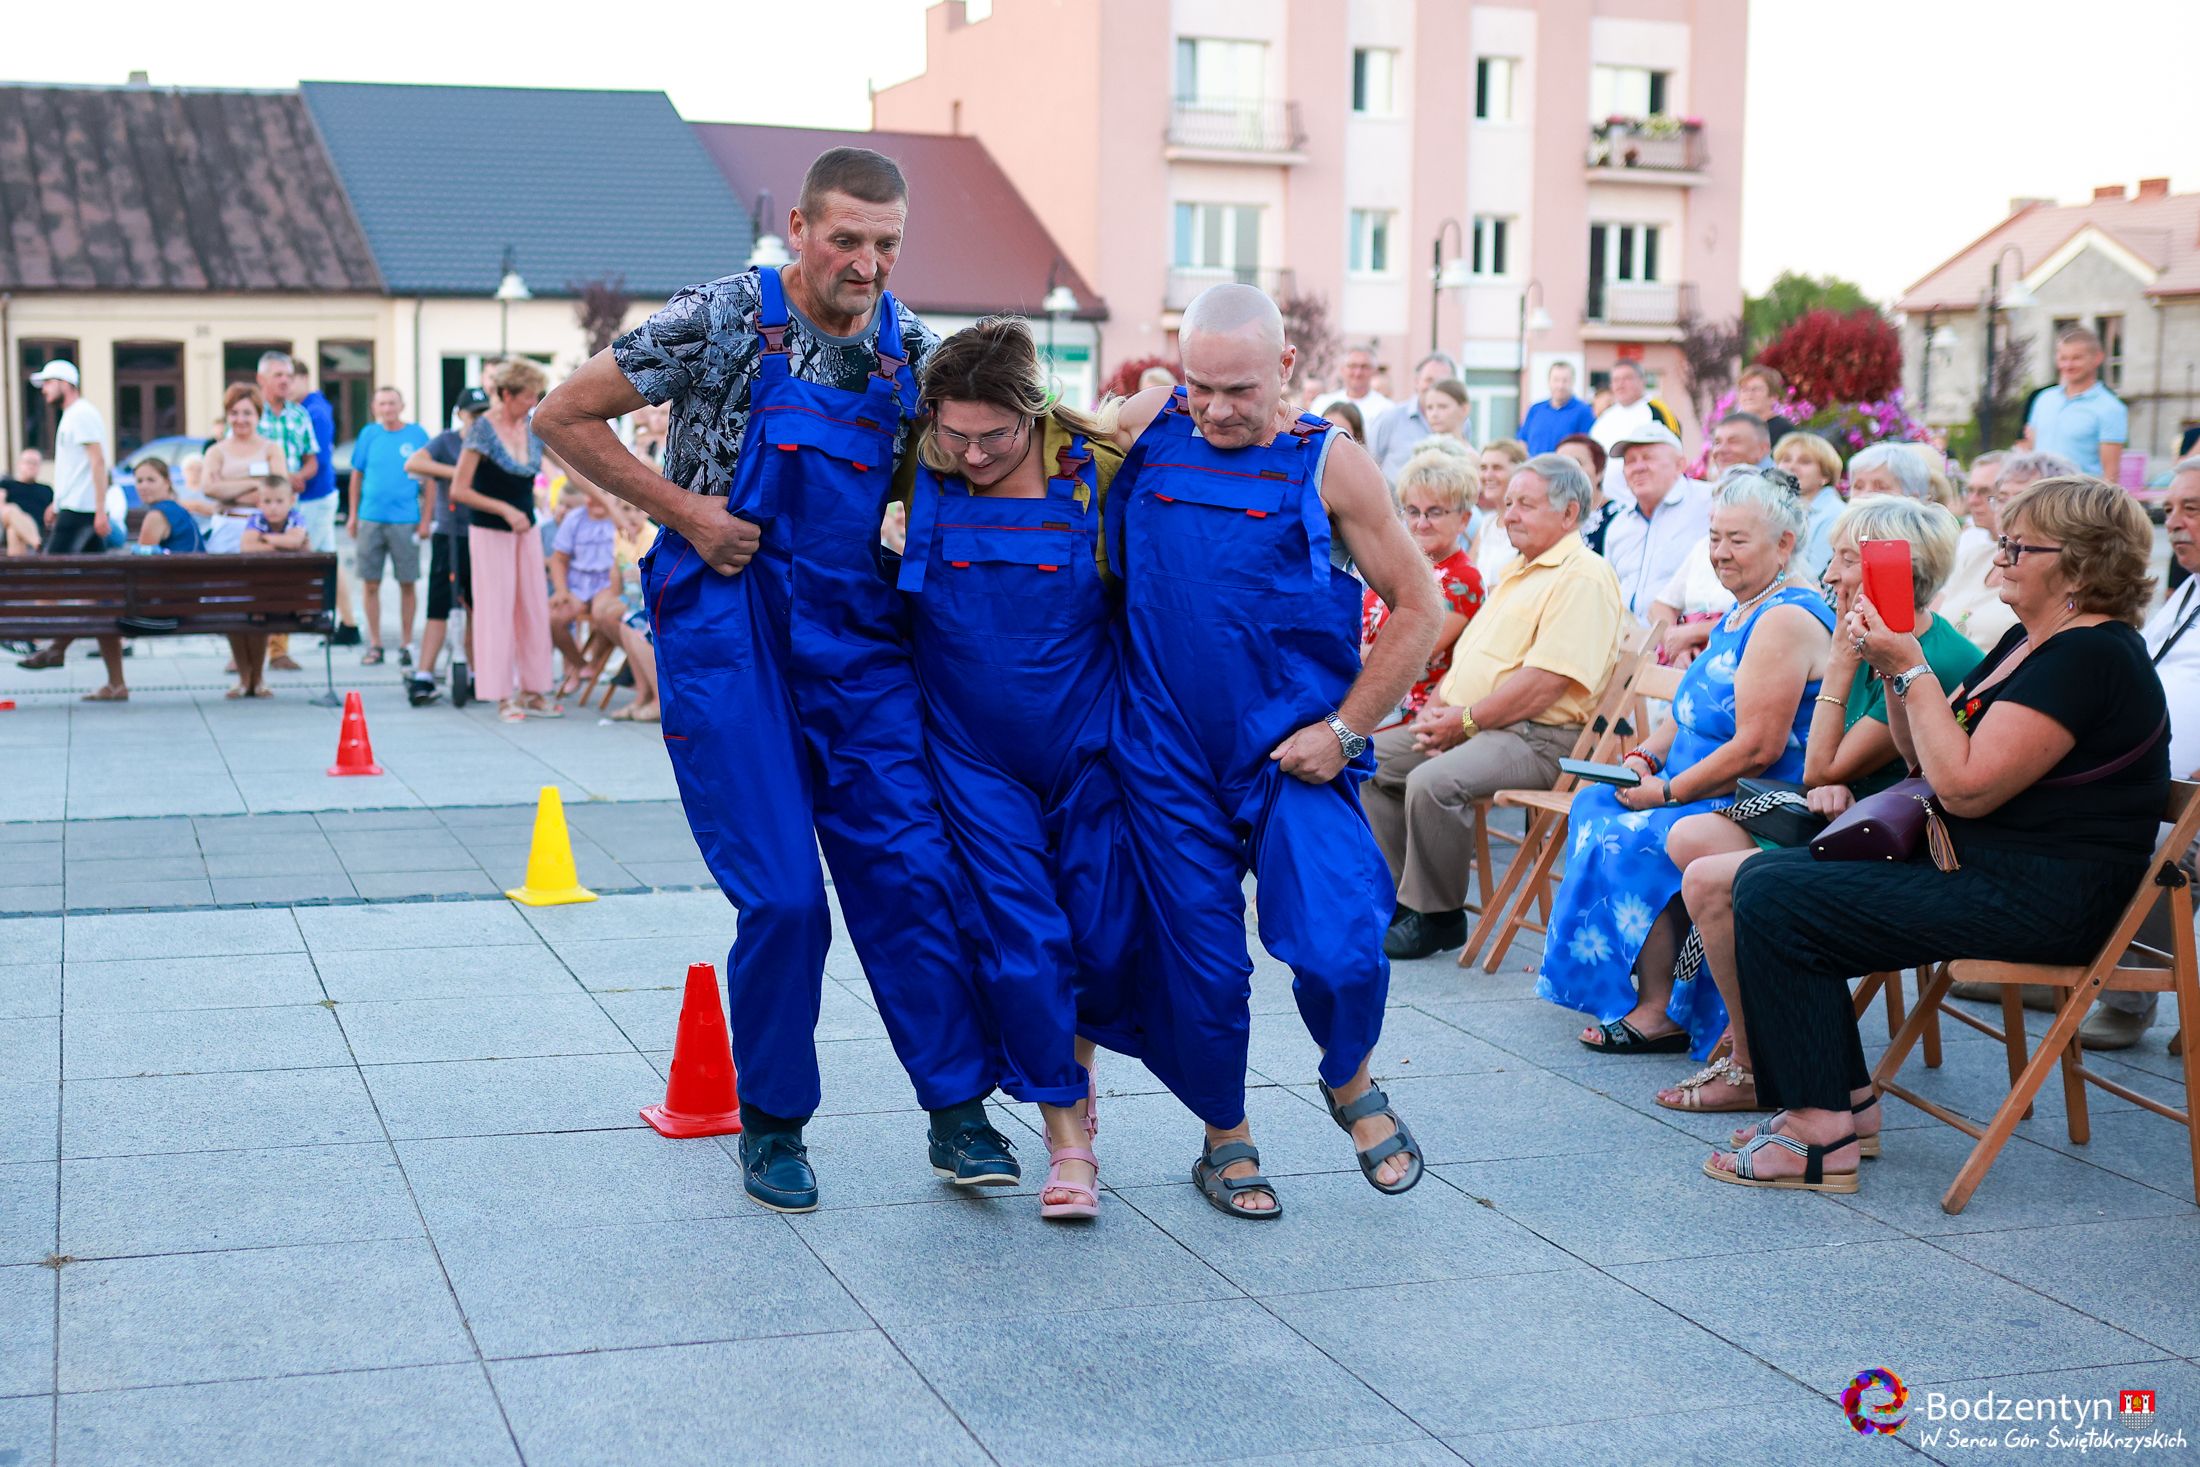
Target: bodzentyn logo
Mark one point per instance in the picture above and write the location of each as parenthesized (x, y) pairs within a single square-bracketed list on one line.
[(1875, 1401)]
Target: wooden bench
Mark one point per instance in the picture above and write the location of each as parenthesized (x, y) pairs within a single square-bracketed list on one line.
[(164, 595)]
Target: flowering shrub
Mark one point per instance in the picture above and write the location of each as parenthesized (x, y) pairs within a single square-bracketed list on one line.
[(1849, 426), (1838, 358)]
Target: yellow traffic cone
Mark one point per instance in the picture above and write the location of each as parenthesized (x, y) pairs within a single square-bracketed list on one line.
[(551, 879)]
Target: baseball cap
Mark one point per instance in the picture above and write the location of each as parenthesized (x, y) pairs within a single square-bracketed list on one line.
[(1650, 432), (472, 400), (58, 370)]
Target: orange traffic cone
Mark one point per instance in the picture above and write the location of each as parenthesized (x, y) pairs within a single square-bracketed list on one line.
[(354, 754), (700, 1098)]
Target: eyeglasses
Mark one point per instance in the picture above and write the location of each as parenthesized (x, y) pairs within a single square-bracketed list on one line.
[(989, 444), (1414, 514), (2013, 551)]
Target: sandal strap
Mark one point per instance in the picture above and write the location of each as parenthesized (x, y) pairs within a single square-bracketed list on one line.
[(1229, 1153), (1745, 1165), (1061, 1154), (1372, 1103)]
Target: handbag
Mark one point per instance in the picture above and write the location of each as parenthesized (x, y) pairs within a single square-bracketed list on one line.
[(1774, 811), (1889, 825)]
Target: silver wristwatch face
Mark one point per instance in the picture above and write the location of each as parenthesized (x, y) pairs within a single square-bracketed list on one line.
[(1351, 742)]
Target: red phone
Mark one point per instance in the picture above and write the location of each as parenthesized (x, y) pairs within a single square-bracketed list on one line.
[(1889, 583)]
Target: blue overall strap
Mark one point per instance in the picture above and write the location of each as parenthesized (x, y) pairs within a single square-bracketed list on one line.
[(1074, 467), (771, 323), (924, 517), (1126, 475), (893, 366), (1308, 437)]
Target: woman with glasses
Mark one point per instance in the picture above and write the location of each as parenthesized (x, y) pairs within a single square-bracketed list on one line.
[(1433, 492), (1013, 632), (1971, 602), (2051, 763)]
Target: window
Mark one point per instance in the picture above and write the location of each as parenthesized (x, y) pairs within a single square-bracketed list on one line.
[(1218, 237), (1493, 88), (40, 417), (1370, 247), (347, 381), (1623, 252), (1374, 82), (241, 359), (1626, 91), (1493, 404), (148, 393), (1489, 250), (1221, 71)]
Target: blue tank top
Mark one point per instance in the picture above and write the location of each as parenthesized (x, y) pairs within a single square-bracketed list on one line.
[(183, 531)]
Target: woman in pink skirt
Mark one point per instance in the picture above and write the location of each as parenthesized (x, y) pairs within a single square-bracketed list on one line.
[(495, 484)]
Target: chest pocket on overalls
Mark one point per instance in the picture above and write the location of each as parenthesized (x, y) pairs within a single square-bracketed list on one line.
[(1018, 582), (1225, 529)]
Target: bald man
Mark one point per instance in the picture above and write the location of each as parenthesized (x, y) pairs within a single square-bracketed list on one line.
[(1235, 525)]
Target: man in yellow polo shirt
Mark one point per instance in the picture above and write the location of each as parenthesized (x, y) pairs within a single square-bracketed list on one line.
[(1524, 677)]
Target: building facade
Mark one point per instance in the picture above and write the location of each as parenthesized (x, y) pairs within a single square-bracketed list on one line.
[(1518, 184), (2126, 264)]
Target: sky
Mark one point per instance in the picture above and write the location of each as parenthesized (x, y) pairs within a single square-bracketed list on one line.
[(1880, 136)]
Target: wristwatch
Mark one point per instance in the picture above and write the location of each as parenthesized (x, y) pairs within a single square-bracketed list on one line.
[(1353, 744), (1902, 680), (1466, 720)]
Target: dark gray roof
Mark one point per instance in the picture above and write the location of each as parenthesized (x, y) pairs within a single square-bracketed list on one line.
[(580, 185), (128, 188)]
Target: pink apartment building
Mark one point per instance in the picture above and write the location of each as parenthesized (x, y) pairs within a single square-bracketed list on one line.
[(1522, 184)]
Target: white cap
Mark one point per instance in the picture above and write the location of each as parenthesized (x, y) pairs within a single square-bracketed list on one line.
[(1650, 432), (58, 370)]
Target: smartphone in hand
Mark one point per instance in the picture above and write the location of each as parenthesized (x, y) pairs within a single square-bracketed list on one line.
[(1888, 582), (1613, 774)]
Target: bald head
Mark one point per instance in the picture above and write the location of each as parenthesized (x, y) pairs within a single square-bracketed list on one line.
[(1234, 310)]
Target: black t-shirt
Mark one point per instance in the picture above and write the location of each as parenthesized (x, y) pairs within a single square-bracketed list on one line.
[(2098, 683), (443, 448), (32, 498)]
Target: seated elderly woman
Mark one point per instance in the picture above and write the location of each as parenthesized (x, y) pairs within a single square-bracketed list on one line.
[(2051, 765), (1971, 601), (1434, 489), (1742, 709), (1889, 468), (1850, 754)]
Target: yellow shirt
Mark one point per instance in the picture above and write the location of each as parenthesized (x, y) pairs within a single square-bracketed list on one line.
[(1560, 612)]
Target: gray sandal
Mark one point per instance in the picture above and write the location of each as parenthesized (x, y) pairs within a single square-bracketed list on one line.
[(1375, 1103), (1220, 1191)]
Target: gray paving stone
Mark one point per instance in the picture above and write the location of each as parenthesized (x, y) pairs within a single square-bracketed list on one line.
[(252, 832), (413, 925), (199, 1041), (182, 935), (18, 832), (27, 900), (402, 850), (424, 1414), (558, 1291), (131, 838), (141, 1116), (27, 1192), (1784, 1426), (26, 1430), (30, 940), (858, 1402), (569, 1179), (2030, 1186), (334, 821), (878, 1159), (182, 1203), (454, 972), (148, 985), (412, 1030), (2137, 1145), (672, 874), (263, 1311), (1151, 1139), (1419, 1452), (26, 1330), (1982, 1325), (500, 1097), (103, 893), (29, 990), (381, 886), (1523, 1112), (29, 1121), (2113, 1271), (30, 1050), (30, 865), (1592, 1348), (110, 871), (1412, 1044), (703, 914), (1140, 1385), (1338, 1232), (862, 1075), (296, 887), (945, 1261), (643, 962)]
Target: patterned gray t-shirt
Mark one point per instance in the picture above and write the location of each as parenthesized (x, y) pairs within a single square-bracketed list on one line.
[(700, 354)]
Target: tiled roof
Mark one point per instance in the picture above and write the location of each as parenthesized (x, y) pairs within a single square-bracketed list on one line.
[(131, 188), (579, 184), (975, 246), (2162, 231)]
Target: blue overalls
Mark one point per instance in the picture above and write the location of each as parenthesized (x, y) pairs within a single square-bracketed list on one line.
[(1020, 660), (789, 701), (1241, 632)]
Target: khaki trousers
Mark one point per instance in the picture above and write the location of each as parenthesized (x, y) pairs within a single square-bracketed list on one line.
[(1422, 808)]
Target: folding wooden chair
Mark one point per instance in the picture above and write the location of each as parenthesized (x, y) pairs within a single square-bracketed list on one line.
[(1617, 721), (2122, 963), (1890, 984)]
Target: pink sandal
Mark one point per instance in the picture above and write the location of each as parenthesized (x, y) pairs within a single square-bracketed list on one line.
[(1089, 1206)]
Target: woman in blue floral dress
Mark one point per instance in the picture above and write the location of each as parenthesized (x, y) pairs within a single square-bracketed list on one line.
[(1743, 709)]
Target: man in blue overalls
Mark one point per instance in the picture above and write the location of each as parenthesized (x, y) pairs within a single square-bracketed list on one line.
[(1243, 737), (788, 698)]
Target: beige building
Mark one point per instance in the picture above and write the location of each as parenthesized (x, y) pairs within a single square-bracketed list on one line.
[(1519, 184)]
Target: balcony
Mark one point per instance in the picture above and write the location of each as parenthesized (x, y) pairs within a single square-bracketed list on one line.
[(1659, 150), (1628, 311), (1187, 281), (1202, 130)]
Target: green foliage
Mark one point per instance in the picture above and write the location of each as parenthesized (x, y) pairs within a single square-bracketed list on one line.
[(1793, 296)]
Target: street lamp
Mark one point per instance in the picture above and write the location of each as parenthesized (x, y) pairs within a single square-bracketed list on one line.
[(1444, 275), (509, 289), (2018, 297), (1537, 324), (1060, 301), (769, 251)]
